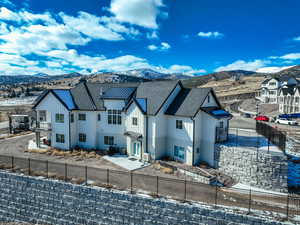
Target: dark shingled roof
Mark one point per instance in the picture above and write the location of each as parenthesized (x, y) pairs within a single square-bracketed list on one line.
[(287, 90), (188, 102), (149, 96), (119, 93), (156, 93), (82, 97), (88, 94)]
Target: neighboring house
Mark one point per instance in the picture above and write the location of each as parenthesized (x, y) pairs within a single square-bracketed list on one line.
[(289, 100), (150, 120), (270, 88)]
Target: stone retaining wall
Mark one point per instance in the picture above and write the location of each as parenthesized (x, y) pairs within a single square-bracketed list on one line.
[(268, 171), (41, 201)]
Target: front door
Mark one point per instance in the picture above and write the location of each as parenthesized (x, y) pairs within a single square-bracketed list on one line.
[(137, 149)]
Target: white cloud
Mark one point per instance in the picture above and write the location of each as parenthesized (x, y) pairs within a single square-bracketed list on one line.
[(152, 35), (188, 70), (164, 46), (210, 34), (89, 25), (152, 47), (138, 12), (296, 38), (243, 65), (97, 63), (35, 38), (6, 14), (3, 28), (291, 56), (7, 2), (272, 69)]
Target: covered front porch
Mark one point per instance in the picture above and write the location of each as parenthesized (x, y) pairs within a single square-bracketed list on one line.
[(135, 146)]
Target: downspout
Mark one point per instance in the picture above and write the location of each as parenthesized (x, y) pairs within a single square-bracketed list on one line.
[(146, 147), (69, 130), (193, 153)]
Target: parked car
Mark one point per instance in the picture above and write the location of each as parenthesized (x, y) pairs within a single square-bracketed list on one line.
[(262, 118), (286, 121), (246, 115)]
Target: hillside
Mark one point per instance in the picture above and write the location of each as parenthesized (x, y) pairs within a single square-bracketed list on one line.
[(218, 76)]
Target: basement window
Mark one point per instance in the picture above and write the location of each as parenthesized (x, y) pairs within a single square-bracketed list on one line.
[(108, 140), (82, 137), (60, 138)]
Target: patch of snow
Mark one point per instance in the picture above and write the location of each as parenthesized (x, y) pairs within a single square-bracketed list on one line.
[(245, 188), (18, 101), (32, 145)]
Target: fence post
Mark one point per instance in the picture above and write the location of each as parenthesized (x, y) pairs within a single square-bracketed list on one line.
[(249, 206), (185, 189), (86, 176), (216, 196), (107, 176), (157, 185), (131, 191), (287, 206), (47, 169), (66, 172), (12, 162), (29, 167), (236, 137)]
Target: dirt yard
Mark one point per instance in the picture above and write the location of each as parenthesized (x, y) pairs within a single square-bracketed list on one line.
[(230, 87)]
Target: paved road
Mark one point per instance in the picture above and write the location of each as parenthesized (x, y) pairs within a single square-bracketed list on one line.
[(241, 122)]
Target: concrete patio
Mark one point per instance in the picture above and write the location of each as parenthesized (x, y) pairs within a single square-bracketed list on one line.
[(126, 162)]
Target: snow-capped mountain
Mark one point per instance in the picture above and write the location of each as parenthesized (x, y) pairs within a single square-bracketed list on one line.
[(152, 74)]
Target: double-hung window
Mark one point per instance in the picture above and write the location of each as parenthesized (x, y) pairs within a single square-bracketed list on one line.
[(60, 138), (114, 116), (82, 137), (179, 124), (179, 152), (134, 121), (59, 118), (82, 116), (108, 140), (42, 116)]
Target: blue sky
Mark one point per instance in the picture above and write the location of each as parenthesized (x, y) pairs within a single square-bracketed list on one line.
[(193, 37)]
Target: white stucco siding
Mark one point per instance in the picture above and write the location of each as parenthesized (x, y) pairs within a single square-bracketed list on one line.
[(114, 104), (208, 136), (151, 136), (161, 126), (134, 112), (180, 137), (87, 127), (209, 101), (198, 137), (53, 106)]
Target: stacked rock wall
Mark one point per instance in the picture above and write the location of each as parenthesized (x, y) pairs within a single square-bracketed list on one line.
[(267, 170), (41, 201)]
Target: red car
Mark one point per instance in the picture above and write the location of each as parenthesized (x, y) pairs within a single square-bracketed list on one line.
[(262, 118)]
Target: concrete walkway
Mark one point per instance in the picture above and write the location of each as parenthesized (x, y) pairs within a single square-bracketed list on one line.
[(125, 162)]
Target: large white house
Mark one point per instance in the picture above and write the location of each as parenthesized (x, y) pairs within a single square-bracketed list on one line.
[(270, 88), (150, 120)]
